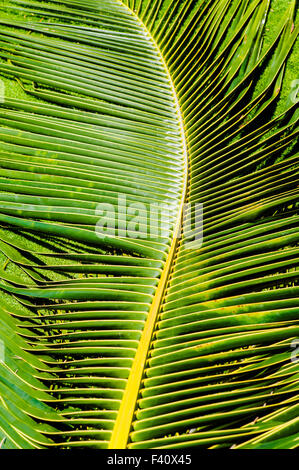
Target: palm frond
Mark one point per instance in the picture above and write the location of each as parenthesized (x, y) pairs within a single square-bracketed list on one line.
[(156, 340)]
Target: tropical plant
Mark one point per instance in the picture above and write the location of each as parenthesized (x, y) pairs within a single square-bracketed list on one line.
[(156, 341)]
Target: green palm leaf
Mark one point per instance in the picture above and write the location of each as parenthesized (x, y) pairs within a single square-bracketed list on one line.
[(146, 335)]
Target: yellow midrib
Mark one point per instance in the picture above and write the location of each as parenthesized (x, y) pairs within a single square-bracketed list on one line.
[(123, 423)]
